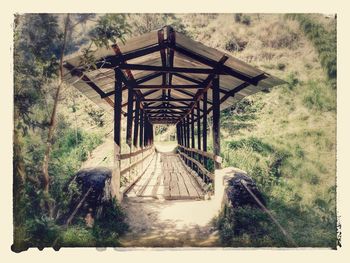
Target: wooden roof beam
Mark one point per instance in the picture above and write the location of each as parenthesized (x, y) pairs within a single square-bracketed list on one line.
[(138, 81), (177, 87), (207, 84), (224, 69), (169, 69), (166, 99), (113, 61), (89, 82), (168, 107)]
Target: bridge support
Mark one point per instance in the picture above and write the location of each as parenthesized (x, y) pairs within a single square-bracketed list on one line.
[(115, 180), (216, 119)]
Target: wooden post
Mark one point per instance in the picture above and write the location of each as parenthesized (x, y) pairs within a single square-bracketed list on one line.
[(216, 119), (129, 116), (181, 132), (199, 135), (136, 122), (141, 128), (141, 134), (205, 111), (192, 129), (198, 126), (188, 134), (115, 181), (192, 135), (145, 133), (177, 133), (184, 134), (152, 134)]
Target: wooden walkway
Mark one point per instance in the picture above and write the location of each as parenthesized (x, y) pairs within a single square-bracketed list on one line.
[(167, 178)]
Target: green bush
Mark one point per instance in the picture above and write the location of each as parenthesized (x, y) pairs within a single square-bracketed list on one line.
[(234, 44), (42, 232), (292, 80), (278, 35), (110, 225), (246, 20), (77, 236), (243, 19), (281, 66), (319, 97)]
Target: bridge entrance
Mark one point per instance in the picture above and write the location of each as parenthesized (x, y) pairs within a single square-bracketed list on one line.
[(165, 77)]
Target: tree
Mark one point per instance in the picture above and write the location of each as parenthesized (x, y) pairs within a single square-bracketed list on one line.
[(33, 65)]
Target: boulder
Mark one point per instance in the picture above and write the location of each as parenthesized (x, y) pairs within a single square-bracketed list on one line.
[(238, 195)]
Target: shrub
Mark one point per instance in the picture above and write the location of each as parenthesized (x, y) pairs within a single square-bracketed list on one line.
[(281, 66), (292, 81), (77, 236), (278, 35), (42, 232), (110, 225), (246, 20), (237, 17), (243, 19), (234, 44), (96, 116), (319, 97)]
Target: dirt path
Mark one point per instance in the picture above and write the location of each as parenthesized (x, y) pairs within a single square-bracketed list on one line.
[(170, 223), (159, 222)]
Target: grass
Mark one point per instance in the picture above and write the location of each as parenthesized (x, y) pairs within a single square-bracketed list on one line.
[(285, 139), (290, 153)]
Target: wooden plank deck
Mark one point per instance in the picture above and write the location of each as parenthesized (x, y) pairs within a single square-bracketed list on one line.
[(167, 178)]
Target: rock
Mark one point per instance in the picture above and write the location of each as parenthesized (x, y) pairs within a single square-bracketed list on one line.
[(93, 177), (238, 195), (99, 179)]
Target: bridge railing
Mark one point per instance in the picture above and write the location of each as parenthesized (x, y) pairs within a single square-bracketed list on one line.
[(136, 164), (201, 162)]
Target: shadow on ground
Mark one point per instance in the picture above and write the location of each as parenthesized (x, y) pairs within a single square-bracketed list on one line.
[(165, 223)]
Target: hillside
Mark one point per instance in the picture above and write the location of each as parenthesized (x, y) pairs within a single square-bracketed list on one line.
[(285, 138)]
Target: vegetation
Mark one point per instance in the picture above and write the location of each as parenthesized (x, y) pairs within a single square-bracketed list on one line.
[(325, 41), (49, 144), (284, 138)]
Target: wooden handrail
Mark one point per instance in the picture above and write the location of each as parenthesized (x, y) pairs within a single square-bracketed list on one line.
[(129, 155), (212, 156), (199, 165), (125, 170)]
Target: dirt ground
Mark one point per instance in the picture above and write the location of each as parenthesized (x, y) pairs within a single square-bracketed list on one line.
[(170, 223)]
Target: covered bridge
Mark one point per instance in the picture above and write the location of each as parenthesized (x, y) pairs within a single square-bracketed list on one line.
[(165, 77)]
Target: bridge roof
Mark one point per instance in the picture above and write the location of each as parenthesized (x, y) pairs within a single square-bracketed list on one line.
[(169, 73)]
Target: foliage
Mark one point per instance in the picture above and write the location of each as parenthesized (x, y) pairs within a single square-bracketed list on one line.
[(292, 80), (278, 35), (324, 41), (244, 19), (110, 28), (285, 138), (106, 230), (235, 44), (319, 97), (42, 231), (77, 236), (96, 116), (110, 225), (144, 23)]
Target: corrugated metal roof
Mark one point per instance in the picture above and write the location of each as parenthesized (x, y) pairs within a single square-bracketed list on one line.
[(145, 50)]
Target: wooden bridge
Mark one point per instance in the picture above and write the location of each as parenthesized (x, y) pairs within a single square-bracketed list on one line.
[(164, 77)]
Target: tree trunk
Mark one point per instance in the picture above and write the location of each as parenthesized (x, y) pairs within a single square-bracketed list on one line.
[(18, 192), (45, 168)]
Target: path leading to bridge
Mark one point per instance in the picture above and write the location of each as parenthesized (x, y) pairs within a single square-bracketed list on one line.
[(166, 208)]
